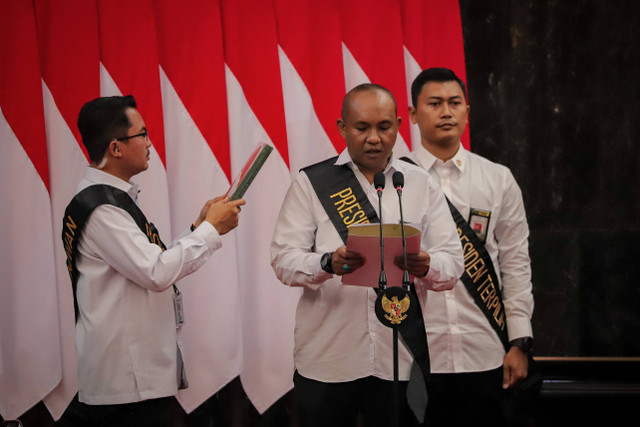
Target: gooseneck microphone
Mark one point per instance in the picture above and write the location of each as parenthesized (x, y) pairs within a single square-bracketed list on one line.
[(398, 183), (378, 183)]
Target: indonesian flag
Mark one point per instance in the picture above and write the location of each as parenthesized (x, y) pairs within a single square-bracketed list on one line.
[(212, 78), (256, 114), (70, 78), (129, 66), (29, 329), (198, 167), (372, 36), (432, 33), (313, 85)]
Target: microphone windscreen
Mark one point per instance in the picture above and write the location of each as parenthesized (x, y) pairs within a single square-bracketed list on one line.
[(378, 181), (398, 179)]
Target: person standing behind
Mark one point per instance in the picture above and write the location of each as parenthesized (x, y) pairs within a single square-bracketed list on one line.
[(470, 367), (343, 354), (128, 308)]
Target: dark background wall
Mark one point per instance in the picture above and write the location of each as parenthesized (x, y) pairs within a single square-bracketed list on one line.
[(555, 96)]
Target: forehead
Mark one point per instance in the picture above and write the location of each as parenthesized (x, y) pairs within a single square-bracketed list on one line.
[(443, 90), (135, 118), (371, 106)]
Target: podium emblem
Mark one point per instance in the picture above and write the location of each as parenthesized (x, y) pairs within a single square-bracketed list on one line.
[(394, 305)]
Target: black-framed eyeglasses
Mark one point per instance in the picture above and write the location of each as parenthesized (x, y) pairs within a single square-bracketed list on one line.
[(145, 134)]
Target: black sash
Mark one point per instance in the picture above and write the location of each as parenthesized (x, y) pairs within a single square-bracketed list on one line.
[(341, 195), (479, 275), (346, 203), (78, 212)]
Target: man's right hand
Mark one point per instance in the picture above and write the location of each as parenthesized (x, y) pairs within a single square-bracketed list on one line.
[(223, 214), (345, 261)]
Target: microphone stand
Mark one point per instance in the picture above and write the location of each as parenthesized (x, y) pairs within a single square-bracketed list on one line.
[(379, 181), (398, 183), (382, 279)]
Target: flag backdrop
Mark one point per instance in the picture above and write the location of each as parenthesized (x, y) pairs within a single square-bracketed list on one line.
[(213, 78)]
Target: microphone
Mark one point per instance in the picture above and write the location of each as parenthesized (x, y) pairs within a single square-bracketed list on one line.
[(378, 183), (398, 183)]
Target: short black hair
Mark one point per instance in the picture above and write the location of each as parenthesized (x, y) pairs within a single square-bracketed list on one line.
[(365, 87), (434, 75), (102, 120)]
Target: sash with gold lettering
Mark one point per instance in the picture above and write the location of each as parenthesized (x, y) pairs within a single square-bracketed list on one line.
[(341, 195), (78, 212), (346, 203), (479, 275)]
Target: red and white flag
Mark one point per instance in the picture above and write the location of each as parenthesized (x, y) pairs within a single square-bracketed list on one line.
[(29, 329), (373, 52), (129, 66), (212, 79), (70, 77), (198, 167), (256, 113), (313, 84), (432, 32)]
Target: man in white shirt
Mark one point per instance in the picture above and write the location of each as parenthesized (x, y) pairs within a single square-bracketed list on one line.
[(469, 362), (127, 311), (343, 354)]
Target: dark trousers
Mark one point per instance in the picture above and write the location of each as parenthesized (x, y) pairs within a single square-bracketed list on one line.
[(147, 413), (341, 404), (474, 398)]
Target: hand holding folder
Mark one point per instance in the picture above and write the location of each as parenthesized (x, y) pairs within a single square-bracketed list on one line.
[(365, 240)]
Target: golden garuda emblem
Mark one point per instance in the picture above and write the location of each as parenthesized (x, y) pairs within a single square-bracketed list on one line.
[(396, 309)]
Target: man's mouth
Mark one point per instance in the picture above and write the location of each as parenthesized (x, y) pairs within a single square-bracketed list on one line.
[(446, 125)]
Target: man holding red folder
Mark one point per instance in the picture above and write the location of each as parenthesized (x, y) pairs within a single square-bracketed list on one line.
[(343, 354)]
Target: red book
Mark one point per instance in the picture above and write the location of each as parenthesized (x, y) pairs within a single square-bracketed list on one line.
[(365, 240)]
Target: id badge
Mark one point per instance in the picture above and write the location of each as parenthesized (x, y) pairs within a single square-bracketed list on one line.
[(178, 308), (479, 222)]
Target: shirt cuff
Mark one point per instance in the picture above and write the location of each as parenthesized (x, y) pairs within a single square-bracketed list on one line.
[(209, 234), (518, 328)]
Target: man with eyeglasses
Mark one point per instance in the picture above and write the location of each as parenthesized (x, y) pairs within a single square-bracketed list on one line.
[(128, 307)]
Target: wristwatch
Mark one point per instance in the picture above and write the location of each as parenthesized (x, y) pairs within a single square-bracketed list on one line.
[(325, 262), (525, 344)]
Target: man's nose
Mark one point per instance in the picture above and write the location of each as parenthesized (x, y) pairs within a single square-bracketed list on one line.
[(446, 110), (374, 136)]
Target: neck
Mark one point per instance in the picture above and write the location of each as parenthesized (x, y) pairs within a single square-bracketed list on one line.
[(443, 152), (112, 171), (369, 173)]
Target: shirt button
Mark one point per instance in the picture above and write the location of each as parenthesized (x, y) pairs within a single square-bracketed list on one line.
[(373, 334)]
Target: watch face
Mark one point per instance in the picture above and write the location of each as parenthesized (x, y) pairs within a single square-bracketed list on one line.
[(325, 262)]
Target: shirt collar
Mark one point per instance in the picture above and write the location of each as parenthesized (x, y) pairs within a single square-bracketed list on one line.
[(428, 160), (97, 176)]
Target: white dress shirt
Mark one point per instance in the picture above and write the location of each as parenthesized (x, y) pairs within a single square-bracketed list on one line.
[(126, 329), (338, 337), (460, 337)]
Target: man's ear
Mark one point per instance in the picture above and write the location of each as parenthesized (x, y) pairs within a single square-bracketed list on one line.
[(114, 149), (341, 127), (412, 114)]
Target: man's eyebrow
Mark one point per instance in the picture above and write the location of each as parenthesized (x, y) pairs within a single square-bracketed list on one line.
[(439, 98)]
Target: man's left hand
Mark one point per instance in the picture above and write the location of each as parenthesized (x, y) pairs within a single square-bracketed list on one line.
[(417, 263), (516, 367)]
